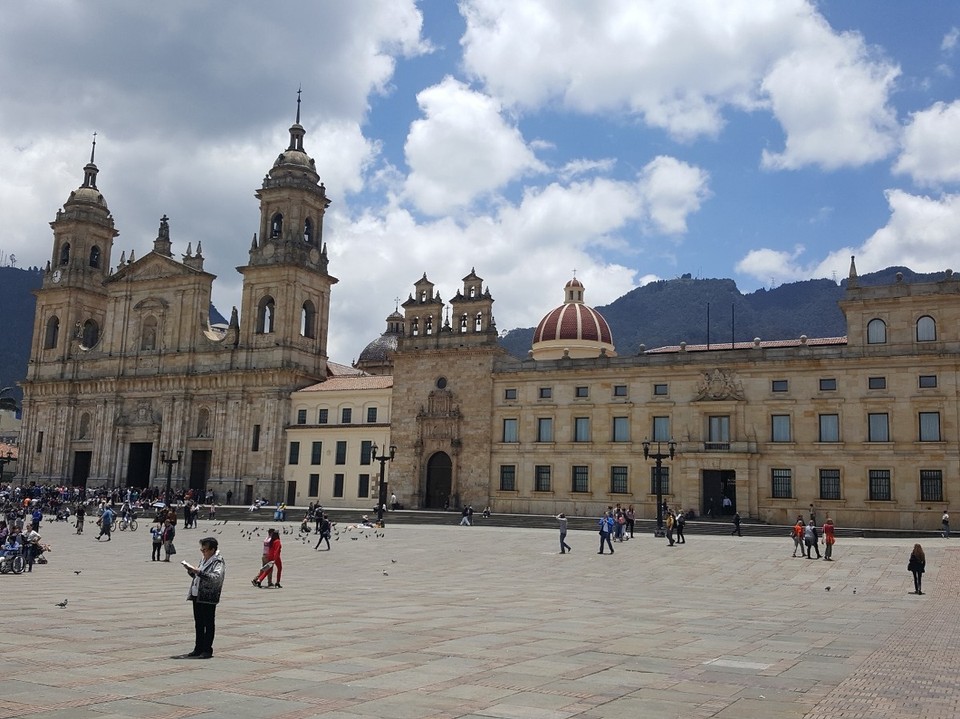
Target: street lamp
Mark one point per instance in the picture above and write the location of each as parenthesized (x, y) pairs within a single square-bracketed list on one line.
[(5, 460), (169, 461), (382, 494), (659, 456)]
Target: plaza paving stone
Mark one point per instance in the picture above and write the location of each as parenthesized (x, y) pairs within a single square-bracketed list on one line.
[(447, 621)]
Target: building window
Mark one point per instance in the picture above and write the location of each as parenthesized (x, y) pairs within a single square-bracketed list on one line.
[(148, 334), (255, 442), (363, 485), (316, 452), (265, 315), (341, 452), (876, 383), (95, 257), (878, 427), (781, 483), (928, 381), (346, 415), (926, 329), (581, 392), (829, 484), (546, 393), (508, 478), (931, 485), (718, 429), (828, 384), (876, 332), (338, 485), (779, 385), (91, 333), (664, 480), (929, 426), (829, 428), (366, 447), (65, 254), (619, 390), (660, 390), (510, 393), (276, 225), (308, 320), (581, 478), (541, 478), (301, 416), (39, 442), (294, 453), (314, 488), (545, 429), (323, 416), (618, 480), (621, 429), (880, 485), (371, 415), (780, 428), (661, 429), (52, 334), (510, 430), (581, 429), (308, 231)]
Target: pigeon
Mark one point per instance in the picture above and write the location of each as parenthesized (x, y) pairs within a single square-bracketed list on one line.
[(385, 573), (393, 561), (827, 588), (62, 604), (77, 571)]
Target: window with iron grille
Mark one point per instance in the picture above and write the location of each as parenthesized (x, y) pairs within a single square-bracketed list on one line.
[(931, 485), (341, 452), (294, 457), (314, 489), (508, 478), (829, 484), (338, 485), (880, 485), (618, 480), (301, 416), (541, 478), (346, 415), (363, 485), (316, 452), (366, 446), (781, 483), (371, 415), (323, 416), (664, 480), (581, 479)]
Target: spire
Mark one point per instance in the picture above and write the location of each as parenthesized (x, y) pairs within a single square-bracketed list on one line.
[(90, 171), (296, 130), (93, 149), (853, 280), (299, 90)]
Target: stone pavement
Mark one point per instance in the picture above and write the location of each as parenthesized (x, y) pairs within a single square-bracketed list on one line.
[(431, 621)]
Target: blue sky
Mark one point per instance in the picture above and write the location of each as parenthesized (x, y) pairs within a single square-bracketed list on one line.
[(627, 140)]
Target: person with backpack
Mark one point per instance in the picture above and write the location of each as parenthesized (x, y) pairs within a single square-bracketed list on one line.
[(810, 540), (680, 522), (324, 530), (606, 530)]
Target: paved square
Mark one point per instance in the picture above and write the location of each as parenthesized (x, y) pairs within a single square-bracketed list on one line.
[(429, 621)]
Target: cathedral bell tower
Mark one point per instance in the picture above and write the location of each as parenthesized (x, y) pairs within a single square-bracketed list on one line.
[(72, 302), (286, 286)]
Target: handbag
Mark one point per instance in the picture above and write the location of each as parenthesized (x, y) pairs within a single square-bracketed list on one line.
[(170, 549)]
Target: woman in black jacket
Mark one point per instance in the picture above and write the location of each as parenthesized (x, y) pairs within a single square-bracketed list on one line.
[(917, 564)]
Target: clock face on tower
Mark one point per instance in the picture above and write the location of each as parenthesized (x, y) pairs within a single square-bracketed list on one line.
[(57, 276)]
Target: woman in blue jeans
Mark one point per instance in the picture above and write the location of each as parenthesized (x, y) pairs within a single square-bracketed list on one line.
[(606, 529)]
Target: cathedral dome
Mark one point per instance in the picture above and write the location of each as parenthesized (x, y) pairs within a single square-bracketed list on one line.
[(573, 329), (377, 357)]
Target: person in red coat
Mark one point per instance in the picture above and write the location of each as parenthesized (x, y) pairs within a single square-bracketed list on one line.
[(273, 560)]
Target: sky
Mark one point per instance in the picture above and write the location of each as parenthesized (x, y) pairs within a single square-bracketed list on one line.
[(620, 141)]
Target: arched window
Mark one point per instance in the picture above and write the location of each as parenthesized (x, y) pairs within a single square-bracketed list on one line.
[(308, 231), (478, 322), (148, 334), (415, 327), (926, 329), (95, 257), (265, 315), (473, 292), (463, 322), (276, 225), (308, 320), (876, 332), (52, 335), (203, 422), (84, 429), (91, 333), (65, 254), (428, 325)]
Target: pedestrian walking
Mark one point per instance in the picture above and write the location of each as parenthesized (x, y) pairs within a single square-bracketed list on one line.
[(80, 515), (564, 547), (945, 524), (106, 523), (265, 560), (916, 566), (273, 561), (810, 539), (829, 539), (324, 531), (631, 520), (464, 518), (680, 522), (205, 589), (156, 537), (671, 523), (736, 525), (606, 529), (797, 534)]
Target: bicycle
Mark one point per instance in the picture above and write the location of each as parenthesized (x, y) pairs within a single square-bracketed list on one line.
[(123, 523), (12, 561)]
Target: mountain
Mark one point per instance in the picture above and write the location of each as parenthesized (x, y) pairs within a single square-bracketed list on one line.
[(669, 312), (18, 305)]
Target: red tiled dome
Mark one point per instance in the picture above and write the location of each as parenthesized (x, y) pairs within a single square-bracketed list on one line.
[(573, 321)]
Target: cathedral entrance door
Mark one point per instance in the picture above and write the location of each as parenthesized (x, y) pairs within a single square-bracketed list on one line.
[(199, 471), (439, 481), (138, 464), (81, 468), (719, 492)]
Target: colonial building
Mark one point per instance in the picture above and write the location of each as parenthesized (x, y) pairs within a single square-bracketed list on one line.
[(126, 371), (864, 427)]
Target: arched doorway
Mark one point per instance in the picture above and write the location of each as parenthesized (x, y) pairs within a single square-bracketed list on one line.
[(439, 481)]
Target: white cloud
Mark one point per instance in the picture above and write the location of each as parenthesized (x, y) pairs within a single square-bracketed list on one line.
[(764, 264), (949, 43), (461, 149), (672, 190), (931, 145)]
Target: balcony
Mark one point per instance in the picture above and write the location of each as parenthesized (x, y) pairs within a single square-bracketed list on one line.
[(729, 447)]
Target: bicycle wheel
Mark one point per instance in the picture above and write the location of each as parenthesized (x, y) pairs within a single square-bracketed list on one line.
[(133, 525), (113, 527), (18, 564), (122, 525)]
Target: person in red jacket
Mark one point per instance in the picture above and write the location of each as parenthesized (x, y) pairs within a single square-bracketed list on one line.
[(828, 539), (273, 560)]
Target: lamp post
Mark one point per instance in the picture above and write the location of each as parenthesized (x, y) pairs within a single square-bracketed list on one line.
[(4, 461), (382, 493), (169, 461), (659, 456)]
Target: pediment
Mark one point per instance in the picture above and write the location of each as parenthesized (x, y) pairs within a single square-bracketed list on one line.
[(154, 266)]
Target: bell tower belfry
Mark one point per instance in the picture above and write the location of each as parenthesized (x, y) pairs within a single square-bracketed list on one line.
[(286, 286)]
